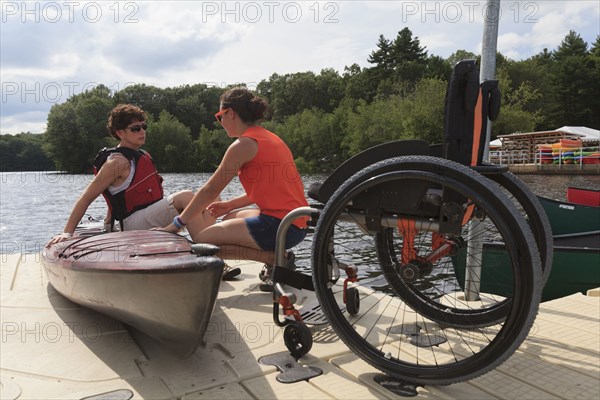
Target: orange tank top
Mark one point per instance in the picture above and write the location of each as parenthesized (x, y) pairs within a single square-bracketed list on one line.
[(271, 179)]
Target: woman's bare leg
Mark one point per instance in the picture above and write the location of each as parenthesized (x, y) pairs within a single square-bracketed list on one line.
[(199, 222), (232, 236)]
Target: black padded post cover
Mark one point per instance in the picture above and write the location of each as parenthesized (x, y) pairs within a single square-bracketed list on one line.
[(469, 104)]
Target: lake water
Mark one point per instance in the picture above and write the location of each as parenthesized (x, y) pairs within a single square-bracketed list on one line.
[(35, 205)]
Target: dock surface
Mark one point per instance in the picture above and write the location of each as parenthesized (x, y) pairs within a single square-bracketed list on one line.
[(52, 348)]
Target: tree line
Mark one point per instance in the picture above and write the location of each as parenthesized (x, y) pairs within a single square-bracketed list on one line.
[(326, 117)]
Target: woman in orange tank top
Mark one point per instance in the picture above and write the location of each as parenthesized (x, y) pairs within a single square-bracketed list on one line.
[(266, 169)]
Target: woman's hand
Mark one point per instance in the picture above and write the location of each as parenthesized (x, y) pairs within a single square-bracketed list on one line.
[(169, 228), (61, 237), (219, 208)]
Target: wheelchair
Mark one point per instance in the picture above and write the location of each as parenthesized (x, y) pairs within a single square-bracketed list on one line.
[(427, 262)]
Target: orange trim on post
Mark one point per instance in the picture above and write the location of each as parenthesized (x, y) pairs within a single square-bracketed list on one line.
[(478, 123)]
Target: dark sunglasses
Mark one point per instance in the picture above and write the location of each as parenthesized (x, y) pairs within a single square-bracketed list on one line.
[(219, 115), (137, 128)]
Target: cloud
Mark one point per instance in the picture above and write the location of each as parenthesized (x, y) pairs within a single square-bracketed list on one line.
[(28, 121), (545, 24), (49, 53)]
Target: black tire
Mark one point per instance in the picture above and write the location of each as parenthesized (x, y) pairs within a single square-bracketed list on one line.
[(535, 215), (374, 335), (298, 339), (352, 301)]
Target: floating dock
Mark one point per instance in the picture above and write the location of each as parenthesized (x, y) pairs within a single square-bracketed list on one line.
[(52, 348)]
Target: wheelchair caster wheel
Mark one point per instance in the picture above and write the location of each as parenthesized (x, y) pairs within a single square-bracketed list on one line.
[(352, 301), (298, 339)]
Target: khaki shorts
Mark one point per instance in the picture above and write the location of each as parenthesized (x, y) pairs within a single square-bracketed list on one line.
[(159, 214)]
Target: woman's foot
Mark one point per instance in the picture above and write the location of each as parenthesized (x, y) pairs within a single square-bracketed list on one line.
[(267, 271), (230, 272)]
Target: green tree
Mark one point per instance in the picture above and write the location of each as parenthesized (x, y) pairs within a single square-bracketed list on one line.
[(23, 152), (210, 148), (438, 68), (533, 74), (311, 136), (515, 115), (382, 60), (409, 58), (595, 50), (423, 111), (76, 129), (170, 144), (359, 84), (595, 86), (150, 98), (193, 105), (460, 55), (292, 93), (289, 94), (576, 95), (371, 124)]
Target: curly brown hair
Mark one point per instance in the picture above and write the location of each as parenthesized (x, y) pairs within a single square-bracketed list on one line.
[(123, 115)]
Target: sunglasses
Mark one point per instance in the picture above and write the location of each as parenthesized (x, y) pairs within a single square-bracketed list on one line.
[(137, 128), (219, 115)]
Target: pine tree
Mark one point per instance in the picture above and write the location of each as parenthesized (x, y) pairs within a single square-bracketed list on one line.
[(575, 92), (409, 60)]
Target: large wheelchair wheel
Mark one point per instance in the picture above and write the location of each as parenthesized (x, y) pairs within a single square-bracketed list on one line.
[(529, 205), (464, 288)]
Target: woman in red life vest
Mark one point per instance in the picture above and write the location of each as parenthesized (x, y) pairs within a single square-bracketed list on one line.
[(128, 180), (266, 169)]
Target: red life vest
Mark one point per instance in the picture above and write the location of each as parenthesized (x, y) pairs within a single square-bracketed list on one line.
[(145, 188)]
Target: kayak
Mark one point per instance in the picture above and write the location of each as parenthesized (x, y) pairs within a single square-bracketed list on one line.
[(585, 197), (155, 281)]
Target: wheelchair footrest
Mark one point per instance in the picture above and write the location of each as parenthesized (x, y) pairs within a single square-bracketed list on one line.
[(291, 370)]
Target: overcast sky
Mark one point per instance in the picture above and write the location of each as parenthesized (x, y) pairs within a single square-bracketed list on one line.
[(51, 50)]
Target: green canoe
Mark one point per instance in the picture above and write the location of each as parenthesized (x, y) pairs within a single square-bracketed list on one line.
[(575, 267), (567, 218)]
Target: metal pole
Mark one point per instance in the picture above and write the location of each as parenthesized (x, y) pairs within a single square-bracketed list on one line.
[(488, 57), (487, 71), (474, 259)]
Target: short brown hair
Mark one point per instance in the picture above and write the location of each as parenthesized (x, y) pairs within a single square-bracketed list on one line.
[(123, 115)]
